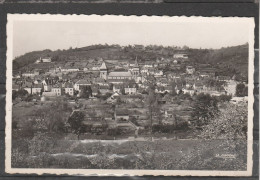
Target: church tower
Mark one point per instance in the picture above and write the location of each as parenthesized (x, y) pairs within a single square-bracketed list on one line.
[(136, 70), (103, 71)]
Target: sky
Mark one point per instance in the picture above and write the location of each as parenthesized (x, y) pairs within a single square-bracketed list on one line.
[(39, 35)]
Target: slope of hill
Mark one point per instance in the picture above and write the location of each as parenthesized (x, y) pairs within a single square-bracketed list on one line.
[(229, 61)]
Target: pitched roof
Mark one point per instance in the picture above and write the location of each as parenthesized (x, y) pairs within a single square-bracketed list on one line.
[(37, 86), (57, 86), (99, 80), (82, 81), (103, 66), (68, 85), (116, 80), (120, 73), (103, 87)]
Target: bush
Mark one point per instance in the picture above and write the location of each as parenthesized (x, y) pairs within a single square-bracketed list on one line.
[(163, 128), (223, 98)]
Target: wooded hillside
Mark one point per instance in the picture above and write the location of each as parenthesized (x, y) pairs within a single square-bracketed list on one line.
[(231, 59)]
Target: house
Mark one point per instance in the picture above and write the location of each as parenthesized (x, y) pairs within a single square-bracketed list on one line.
[(175, 66), (56, 89), (37, 89), (95, 68), (162, 82), (30, 74), (37, 81), (68, 86), (94, 90), (168, 114), (46, 85), (230, 88), (117, 88), (69, 70), (188, 91), (175, 62), (190, 69), (223, 78), (104, 89), (237, 100), (43, 60), (144, 71), (119, 75), (46, 59), (49, 94), (33, 89), (159, 89), (130, 89), (207, 72), (85, 69), (148, 64), (100, 82), (199, 86), (181, 55), (158, 73), (121, 115), (116, 81), (81, 82)]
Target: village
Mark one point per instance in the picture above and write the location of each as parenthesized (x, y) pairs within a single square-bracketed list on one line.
[(126, 96)]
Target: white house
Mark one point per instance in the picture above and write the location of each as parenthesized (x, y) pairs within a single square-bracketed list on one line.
[(69, 69), (35, 89), (30, 74), (190, 69), (130, 90), (56, 89), (69, 89), (117, 88), (81, 82), (184, 56), (231, 87), (46, 60), (158, 73)]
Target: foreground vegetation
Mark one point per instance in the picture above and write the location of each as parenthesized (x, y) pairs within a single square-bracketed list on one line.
[(42, 152), (213, 140)]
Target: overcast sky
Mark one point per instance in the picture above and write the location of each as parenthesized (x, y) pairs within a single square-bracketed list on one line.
[(38, 35)]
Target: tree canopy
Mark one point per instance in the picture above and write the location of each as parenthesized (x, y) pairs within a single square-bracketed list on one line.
[(76, 122)]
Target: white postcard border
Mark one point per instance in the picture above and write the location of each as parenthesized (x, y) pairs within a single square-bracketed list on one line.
[(118, 172)]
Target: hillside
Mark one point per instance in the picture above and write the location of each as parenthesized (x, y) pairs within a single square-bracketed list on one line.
[(230, 60)]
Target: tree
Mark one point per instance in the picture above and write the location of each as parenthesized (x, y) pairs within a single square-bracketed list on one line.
[(152, 103), (53, 117), (14, 95), (76, 122), (241, 90), (22, 93), (205, 108), (123, 91), (173, 86), (223, 98), (86, 91), (229, 123)]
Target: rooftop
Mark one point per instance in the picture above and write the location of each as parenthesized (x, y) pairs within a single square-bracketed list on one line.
[(120, 73), (103, 66), (82, 81)]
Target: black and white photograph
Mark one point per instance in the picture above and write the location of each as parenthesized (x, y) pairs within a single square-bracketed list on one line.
[(129, 95)]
